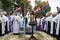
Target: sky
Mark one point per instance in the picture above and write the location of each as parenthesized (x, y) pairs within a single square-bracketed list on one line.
[(32, 3), (53, 4)]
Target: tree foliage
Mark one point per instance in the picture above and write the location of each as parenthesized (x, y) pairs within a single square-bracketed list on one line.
[(24, 3), (6, 5), (44, 9)]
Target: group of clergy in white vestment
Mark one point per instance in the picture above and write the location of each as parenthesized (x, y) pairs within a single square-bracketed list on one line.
[(4, 29), (12, 23), (51, 24), (9, 23)]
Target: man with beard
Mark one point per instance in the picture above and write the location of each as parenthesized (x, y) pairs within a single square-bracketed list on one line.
[(58, 24), (16, 27)]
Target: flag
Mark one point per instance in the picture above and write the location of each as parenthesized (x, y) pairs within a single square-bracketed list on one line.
[(46, 5), (37, 9), (19, 8), (25, 11)]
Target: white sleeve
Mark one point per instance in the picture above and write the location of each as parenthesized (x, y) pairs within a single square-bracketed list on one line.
[(18, 19)]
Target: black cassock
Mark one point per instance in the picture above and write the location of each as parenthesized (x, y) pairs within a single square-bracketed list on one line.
[(58, 31), (53, 28), (6, 24), (46, 25), (49, 27), (6, 28), (58, 27), (0, 29), (49, 24)]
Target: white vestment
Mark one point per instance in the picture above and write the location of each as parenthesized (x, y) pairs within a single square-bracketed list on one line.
[(46, 24), (42, 21), (38, 21), (58, 24), (6, 20), (3, 25), (16, 21), (21, 22), (52, 21)]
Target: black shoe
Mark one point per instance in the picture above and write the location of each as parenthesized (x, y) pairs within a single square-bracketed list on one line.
[(16, 33)]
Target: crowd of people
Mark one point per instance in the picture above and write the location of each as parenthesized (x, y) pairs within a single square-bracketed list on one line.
[(49, 23), (13, 22)]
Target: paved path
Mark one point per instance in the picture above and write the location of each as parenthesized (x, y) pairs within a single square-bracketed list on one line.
[(5, 36), (39, 35)]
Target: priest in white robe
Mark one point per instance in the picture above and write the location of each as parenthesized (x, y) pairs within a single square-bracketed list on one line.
[(16, 20), (48, 23), (38, 23), (2, 24), (21, 21), (53, 25), (58, 24), (2, 27), (58, 28), (6, 22)]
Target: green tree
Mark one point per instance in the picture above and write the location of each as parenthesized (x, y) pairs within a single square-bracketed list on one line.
[(44, 10), (24, 4), (6, 5)]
